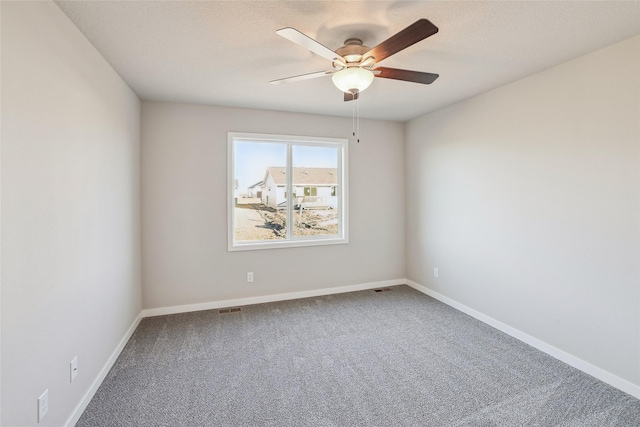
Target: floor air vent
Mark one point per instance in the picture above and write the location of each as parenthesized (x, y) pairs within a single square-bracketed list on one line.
[(382, 290), (229, 310)]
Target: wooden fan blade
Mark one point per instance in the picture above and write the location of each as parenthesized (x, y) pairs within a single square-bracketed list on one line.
[(302, 77), (415, 32), (307, 42), (351, 96), (406, 75)]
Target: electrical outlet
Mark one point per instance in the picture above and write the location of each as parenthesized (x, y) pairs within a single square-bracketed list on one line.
[(250, 277), (73, 368), (435, 272), (43, 405)]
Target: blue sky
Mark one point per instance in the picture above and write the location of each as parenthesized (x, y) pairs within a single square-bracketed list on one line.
[(253, 158)]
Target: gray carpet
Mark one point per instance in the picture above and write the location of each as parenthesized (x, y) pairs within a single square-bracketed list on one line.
[(395, 358)]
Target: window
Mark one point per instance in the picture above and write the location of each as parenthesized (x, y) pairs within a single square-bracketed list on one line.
[(264, 170)]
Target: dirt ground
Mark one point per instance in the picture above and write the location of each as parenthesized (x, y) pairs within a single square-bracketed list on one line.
[(255, 221)]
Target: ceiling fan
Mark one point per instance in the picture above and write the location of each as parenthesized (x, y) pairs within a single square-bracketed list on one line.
[(354, 66)]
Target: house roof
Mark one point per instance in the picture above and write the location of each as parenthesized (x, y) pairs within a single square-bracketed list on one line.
[(257, 184), (304, 176)]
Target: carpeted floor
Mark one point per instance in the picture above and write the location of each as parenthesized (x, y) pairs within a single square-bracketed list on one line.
[(394, 358)]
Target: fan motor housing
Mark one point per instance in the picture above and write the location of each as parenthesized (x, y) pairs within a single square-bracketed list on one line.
[(352, 50)]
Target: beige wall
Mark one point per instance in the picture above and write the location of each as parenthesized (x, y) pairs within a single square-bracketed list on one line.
[(184, 210), (527, 200), (70, 212)]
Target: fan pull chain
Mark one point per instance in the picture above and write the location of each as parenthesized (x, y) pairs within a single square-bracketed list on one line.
[(355, 116), (358, 119)]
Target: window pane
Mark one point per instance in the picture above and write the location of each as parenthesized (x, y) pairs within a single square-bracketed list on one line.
[(269, 208), (260, 191), (315, 191)]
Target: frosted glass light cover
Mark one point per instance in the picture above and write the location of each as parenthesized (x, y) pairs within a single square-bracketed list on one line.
[(352, 79)]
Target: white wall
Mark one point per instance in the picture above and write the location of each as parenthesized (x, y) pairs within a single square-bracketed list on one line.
[(70, 212), (527, 200), (184, 220)]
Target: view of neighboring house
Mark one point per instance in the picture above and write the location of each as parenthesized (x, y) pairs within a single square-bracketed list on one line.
[(311, 185), (236, 190), (255, 190)]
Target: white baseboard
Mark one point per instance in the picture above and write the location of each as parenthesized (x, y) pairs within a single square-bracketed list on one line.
[(555, 352), (77, 412), (567, 358), (267, 298)]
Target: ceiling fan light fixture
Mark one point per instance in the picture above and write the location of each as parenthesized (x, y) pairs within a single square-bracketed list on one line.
[(352, 79)]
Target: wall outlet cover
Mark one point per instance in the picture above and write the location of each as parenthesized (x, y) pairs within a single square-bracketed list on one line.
[(43, 405)]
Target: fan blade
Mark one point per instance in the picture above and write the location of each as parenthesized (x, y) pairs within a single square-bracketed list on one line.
[(351, 96), (406, 75), (302, 77), (307, 42), (419, 30)]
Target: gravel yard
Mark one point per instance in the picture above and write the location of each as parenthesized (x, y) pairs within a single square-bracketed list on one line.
[(255, 221)]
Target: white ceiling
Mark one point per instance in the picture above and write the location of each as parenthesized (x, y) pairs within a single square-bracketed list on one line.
[(225, 52)]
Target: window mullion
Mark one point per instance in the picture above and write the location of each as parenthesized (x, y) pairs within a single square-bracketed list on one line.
[(289, 192), (339, 192)]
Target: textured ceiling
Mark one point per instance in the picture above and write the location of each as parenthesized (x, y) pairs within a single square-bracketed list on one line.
[(226, 52)]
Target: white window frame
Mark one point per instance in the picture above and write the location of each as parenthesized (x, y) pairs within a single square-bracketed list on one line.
[(290, 241)]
